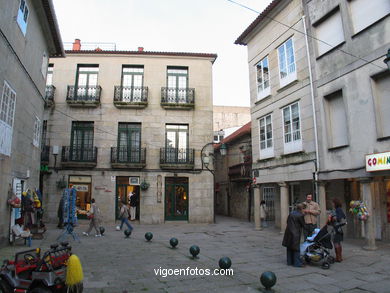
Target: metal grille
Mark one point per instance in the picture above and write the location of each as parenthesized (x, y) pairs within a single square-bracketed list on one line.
[(269, 197)]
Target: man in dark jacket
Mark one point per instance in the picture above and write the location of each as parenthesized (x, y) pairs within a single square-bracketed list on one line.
[(60, 213), (292, 236)]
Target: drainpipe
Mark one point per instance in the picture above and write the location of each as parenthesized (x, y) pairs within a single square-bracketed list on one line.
[(317, 161)]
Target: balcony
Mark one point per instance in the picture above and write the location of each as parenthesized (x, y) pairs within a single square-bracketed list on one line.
[(132, 97), (177, 99), (45, 154), (79, 157), (83, 96), (175, 158), (240, 172), (49, 96), (128, 158)]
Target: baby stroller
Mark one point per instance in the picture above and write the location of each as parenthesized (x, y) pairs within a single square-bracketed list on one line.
[(317, 247)]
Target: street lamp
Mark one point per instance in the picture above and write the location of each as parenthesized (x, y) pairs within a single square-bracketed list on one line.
[(387, 59), (206, 162)]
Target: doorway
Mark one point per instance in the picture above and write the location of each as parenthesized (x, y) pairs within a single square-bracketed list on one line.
[(269, 198), (176, 198), (82, 184), (123, 190)]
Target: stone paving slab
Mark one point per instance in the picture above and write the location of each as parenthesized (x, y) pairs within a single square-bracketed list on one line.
[(115, 264)]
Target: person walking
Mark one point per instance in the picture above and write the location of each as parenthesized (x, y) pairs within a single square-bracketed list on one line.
[(60, 213), (337, 220), (292, 236), (263, 213), (124, 216), (133, 205), (311, 212), (93, 216)]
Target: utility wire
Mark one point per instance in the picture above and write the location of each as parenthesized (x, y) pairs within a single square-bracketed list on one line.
[(304, 33)]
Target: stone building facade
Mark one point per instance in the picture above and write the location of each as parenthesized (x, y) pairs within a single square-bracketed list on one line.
[(233, 173), (29, 35), (283, 145), (353, 102), (131, 121)]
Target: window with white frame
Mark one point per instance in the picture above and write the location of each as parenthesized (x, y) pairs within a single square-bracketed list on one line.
[(292, 128), (7, 112), (381, 89), (22, 16), (366, 12), (266, 145), (329, 32), (263, 85), (287, 67), (37, 132)]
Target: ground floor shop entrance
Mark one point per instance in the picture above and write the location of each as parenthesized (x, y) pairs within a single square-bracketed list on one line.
[(125, 187), (82, 184), (176, 198)]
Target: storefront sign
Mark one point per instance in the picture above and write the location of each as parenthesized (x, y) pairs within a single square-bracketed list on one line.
[(80, 179), (378, 162), (79, 187)]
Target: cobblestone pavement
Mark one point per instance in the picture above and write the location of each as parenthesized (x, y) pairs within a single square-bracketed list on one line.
[(115, 264)]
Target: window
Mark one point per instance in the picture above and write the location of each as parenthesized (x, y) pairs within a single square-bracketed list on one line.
[(287, 68), (177, 82), (329, 32), (336, 120), (7, 111), (129, 142), (366, 12), (132, 83), (292, 129), (37, 132), (87, 78), (381, 89), (49, 75), (263, 86), (176, 143), (81, 145), (22, 17), (266, 146)]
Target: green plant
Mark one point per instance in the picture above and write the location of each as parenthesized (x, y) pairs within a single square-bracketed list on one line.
[(144, 185)]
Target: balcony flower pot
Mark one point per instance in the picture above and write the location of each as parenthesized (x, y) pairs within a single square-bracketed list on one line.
[(144, 185)]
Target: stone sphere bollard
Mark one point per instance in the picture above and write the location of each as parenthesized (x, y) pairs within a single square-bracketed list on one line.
[(148, 236), (268, 280), (225, 263), (194, 250), (127, 233), (174, 242)]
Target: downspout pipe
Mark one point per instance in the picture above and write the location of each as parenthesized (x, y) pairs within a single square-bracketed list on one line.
[(317, 160)]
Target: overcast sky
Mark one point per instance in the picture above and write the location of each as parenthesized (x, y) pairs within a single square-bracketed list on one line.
[(202, 26)]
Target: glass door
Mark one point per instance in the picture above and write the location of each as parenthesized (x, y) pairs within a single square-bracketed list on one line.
[(129, 142), (176, 198), (176, 143), (82, 141), (132, 83), (177, 81)]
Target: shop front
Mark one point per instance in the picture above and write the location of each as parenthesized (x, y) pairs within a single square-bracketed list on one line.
[(125, 187), (82, 184)]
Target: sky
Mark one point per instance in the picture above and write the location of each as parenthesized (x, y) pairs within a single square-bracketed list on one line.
[(201, 26)]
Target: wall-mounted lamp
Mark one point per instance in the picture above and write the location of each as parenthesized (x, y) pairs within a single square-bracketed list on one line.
[(223, 149)]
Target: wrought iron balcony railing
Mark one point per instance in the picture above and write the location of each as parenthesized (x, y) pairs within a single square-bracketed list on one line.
[(87, 156), (45, 154), (178, 98), (240, 172), (176, 158), (127, 157), (49, 95), (83, 95), (131, 96)]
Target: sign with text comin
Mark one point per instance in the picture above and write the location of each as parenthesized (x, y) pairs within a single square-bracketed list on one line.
[(378, 162)]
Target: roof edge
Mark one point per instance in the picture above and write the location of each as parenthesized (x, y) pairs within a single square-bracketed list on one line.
[(53, 26), (213, 56), (241, 39)]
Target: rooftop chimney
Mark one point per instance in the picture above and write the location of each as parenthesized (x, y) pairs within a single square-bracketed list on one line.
[(140, 49), (76, 45)]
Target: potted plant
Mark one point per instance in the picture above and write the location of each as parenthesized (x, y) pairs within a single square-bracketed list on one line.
[(144, 185)]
